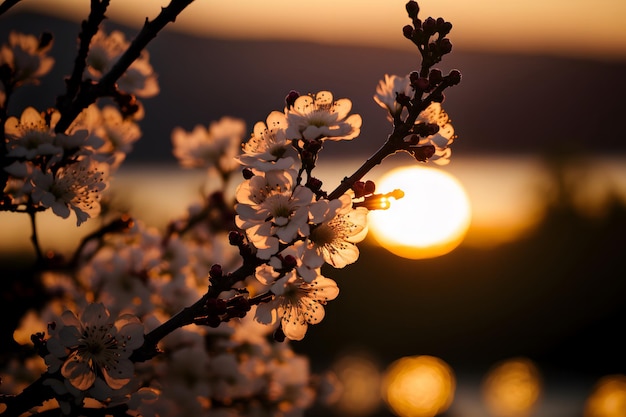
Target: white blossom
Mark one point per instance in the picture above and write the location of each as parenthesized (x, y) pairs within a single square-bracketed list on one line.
[(333, 239), (389, 88), (105, 50), (321, 117), (93, 347), (77, 186), (26, 57), (297, 303), (215, 146), (268, 148)]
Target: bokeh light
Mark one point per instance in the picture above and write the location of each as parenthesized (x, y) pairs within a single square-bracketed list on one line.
[(512, 387), (419, 386), (608, 398), (360, 380)]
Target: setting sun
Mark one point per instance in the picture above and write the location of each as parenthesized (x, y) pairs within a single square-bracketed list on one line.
[(430, 220)]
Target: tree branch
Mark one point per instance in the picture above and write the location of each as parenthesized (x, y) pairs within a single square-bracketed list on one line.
[(107, 85)]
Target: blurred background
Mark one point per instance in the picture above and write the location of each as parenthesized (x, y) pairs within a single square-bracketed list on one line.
[(538, 281)]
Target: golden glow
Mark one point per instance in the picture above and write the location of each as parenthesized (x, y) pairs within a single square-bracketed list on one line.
[(512, 388), (564, 27), (419, 386), (608, 398), (360, 385), (430, 220)]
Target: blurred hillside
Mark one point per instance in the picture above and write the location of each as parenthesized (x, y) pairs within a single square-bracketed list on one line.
[(505, 103)]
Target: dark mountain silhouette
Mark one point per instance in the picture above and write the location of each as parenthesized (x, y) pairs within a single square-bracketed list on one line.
[(505, 103)]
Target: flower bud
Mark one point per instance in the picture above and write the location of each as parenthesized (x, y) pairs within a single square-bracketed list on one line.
[(454, 77), (235, 238), (215, 271), (370, 187), (289, 262), (407, 31), (216, 306), (445, 46), (423, 153), (291, 98), (435, 76), (412, 8), (445, 28), (429, 26), (314, 184), (421, 84)]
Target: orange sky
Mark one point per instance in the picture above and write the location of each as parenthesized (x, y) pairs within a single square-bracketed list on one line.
[(563, 27)]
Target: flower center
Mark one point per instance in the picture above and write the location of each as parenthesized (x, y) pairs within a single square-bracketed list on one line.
[(323, 235)]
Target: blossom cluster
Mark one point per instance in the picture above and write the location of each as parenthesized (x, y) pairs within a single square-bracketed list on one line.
[(151, 322)]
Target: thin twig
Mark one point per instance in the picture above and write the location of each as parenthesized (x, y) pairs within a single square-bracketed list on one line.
[(7, 4), (106, 86)]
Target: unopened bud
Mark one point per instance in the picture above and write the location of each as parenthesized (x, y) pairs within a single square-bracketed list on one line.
[(235, 238), (289, 262), (429, 26), (370, 187), (445, 28), (445, 46), (435, 76), (314, 184), (290, 98), (454, 77), (423, 153), (216, 271), (216, 306), (421, 84), (407, 31), (412, 8)]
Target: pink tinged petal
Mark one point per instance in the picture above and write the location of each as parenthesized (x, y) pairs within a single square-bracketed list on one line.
[(342, 107), (117, 374), (131, 335), (314, 313), (95, 314), (265, 274), (312, 258), (276, 121), (266, 313), (78, 372), (327, 289), (69, 319), (271, 249), (293, 325), (308, 274), (323, 98), (343, 256), (30, 115), (69, 336), (53, 362), (59, 208), (303, 104)]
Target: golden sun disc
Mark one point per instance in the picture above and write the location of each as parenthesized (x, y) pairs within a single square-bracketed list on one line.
[(430, 220)]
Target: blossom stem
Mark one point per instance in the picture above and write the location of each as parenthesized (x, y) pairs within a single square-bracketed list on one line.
[(89, 29), (389, 148)]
